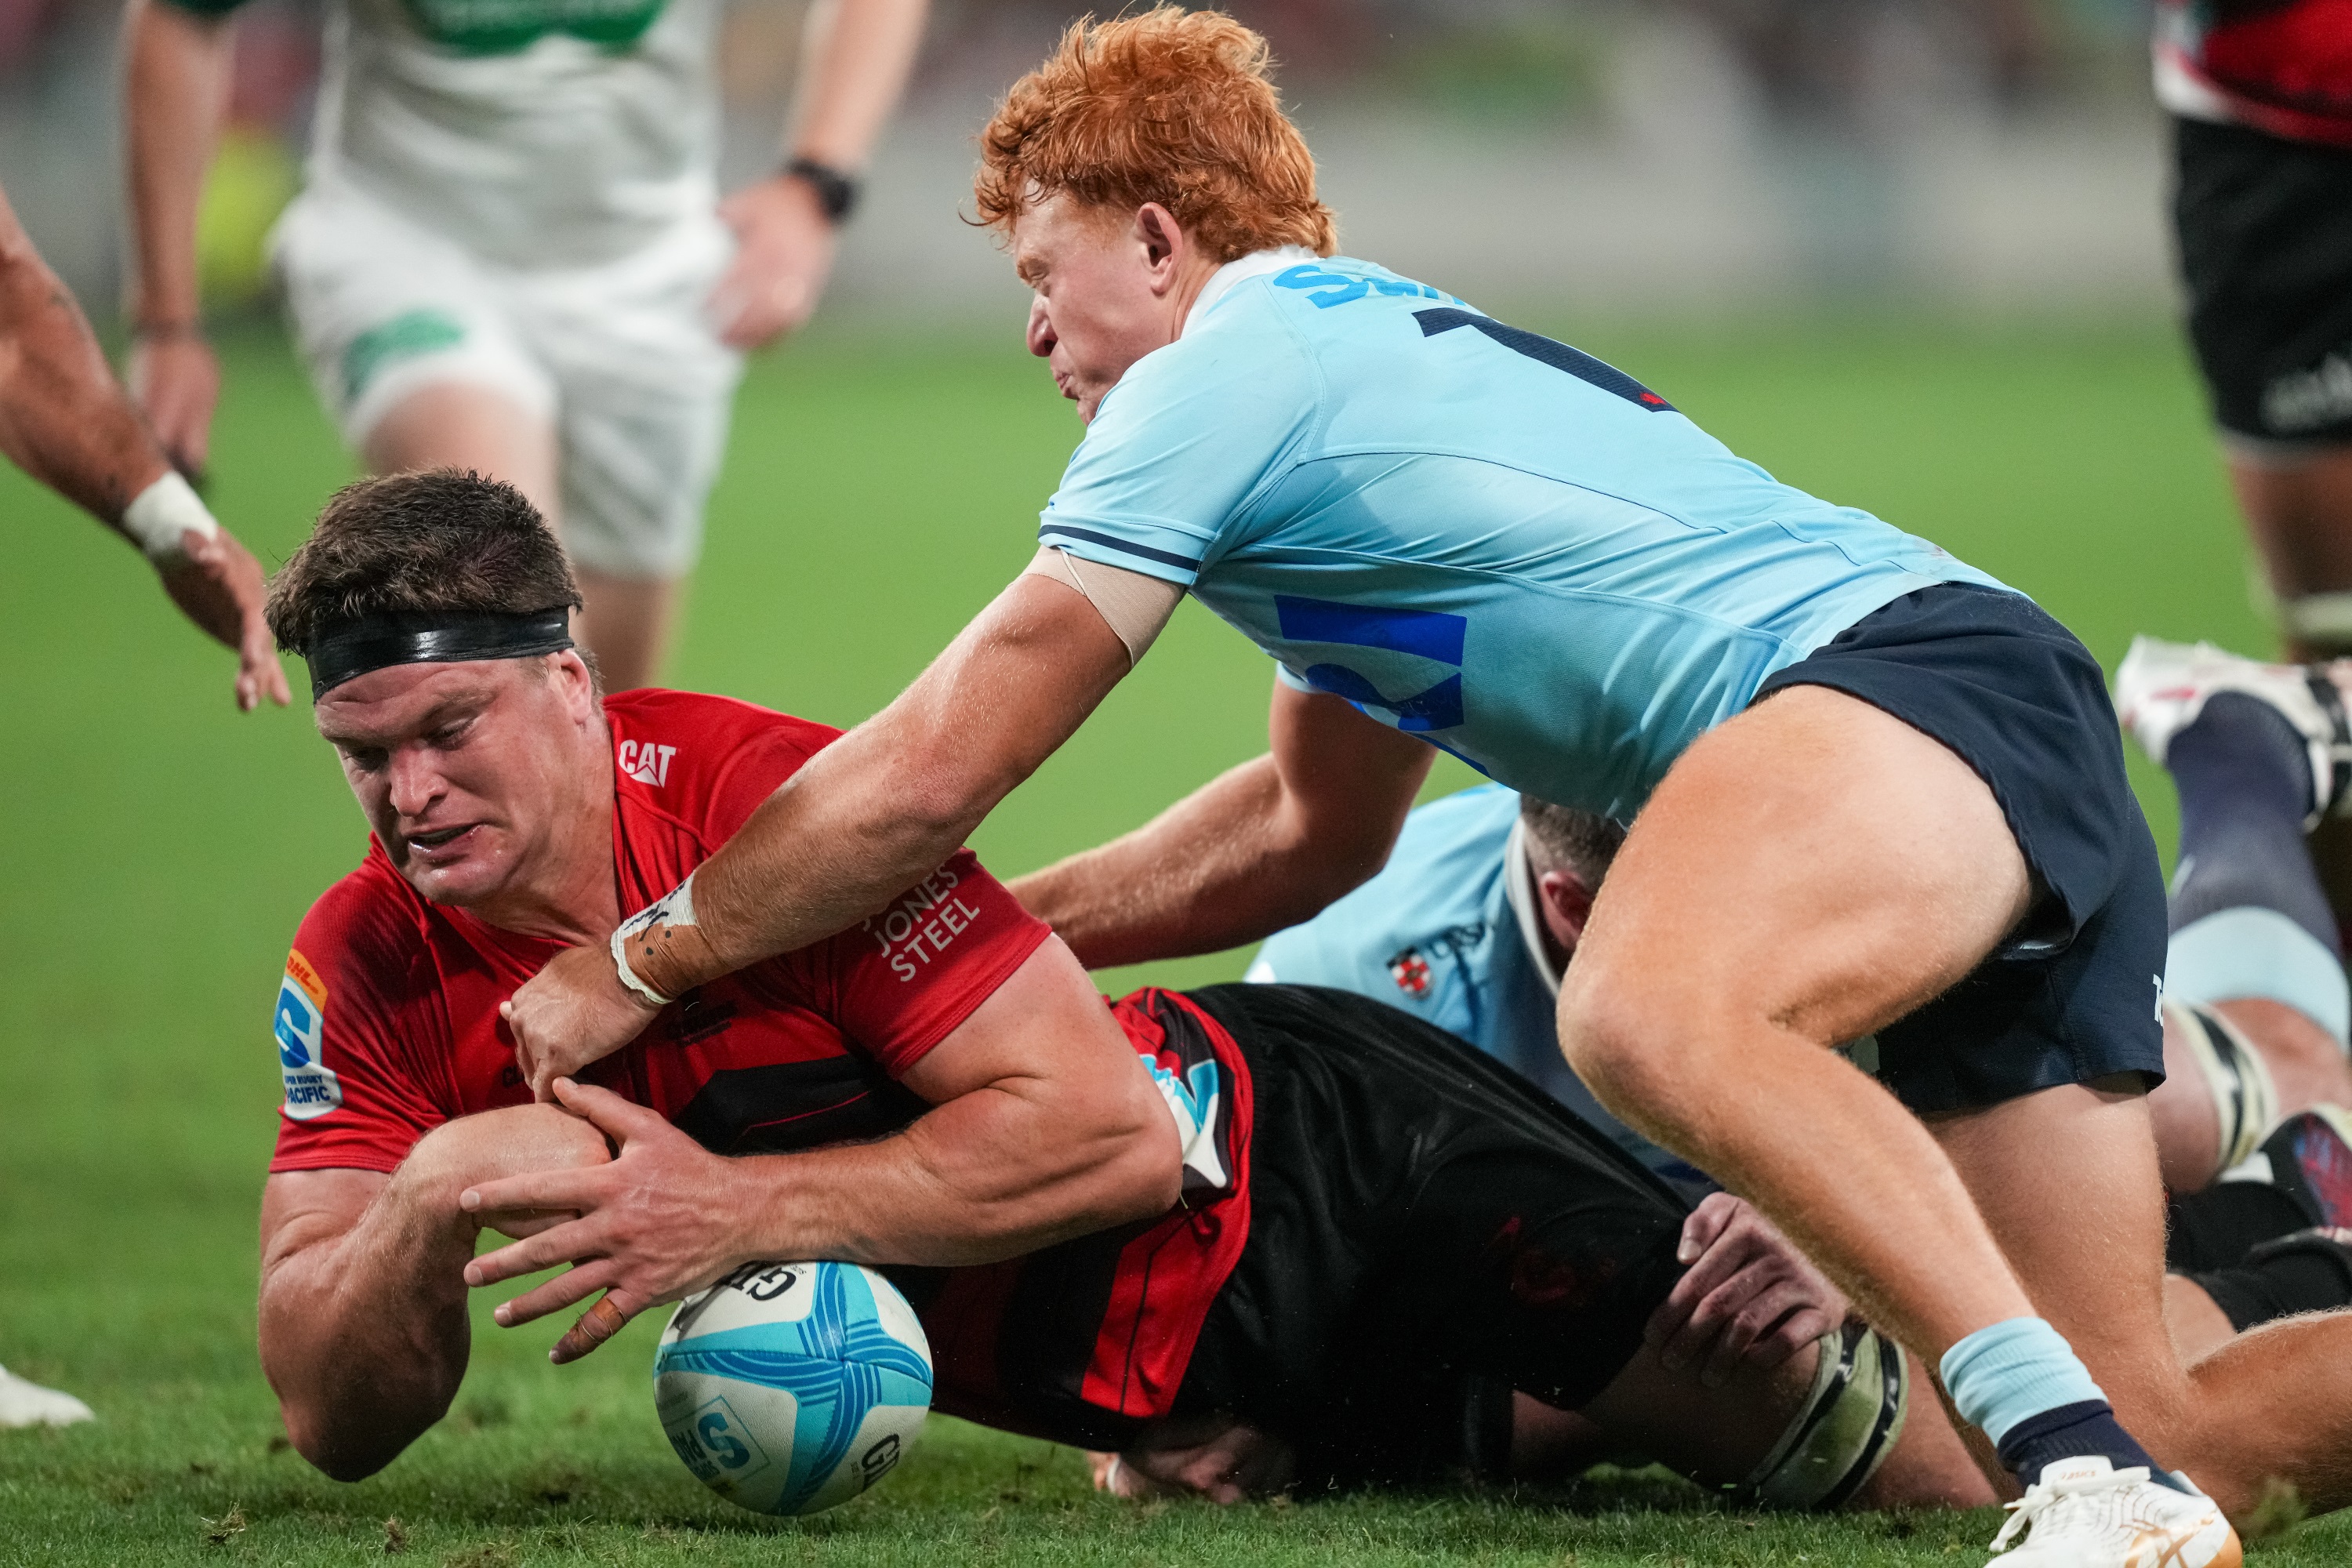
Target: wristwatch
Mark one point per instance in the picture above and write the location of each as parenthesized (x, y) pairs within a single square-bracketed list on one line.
[(837, 193)]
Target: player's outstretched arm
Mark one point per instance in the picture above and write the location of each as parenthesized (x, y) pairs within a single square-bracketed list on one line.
[(65, 420), (363, 1331), (856, 56), (1263, 846), (1044, 1125), (868, 817), (176, 63)]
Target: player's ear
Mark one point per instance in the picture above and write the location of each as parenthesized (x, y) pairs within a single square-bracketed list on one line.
[(576, 677), (1568, 904), (1157, 231)]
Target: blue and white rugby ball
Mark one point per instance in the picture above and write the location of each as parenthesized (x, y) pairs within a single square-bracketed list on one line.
[(790, 1387)]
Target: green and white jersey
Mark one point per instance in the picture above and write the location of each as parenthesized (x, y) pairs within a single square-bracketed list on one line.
[(556, 132)]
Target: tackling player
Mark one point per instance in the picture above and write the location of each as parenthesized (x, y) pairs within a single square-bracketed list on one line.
[(1285, 1227), (510, 254), (65, 421), (1879, 793)]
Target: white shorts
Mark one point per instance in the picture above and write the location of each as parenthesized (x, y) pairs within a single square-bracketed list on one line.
[(618, 356)]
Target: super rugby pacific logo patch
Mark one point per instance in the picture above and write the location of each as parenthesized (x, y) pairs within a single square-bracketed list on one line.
[(300, 1027)]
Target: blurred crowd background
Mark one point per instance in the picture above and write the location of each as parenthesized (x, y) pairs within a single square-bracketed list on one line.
[(1682, 156)]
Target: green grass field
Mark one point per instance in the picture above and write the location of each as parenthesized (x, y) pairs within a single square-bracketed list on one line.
[(158, 850)]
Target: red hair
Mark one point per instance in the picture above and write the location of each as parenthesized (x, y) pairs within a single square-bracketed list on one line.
[(1169, 107)]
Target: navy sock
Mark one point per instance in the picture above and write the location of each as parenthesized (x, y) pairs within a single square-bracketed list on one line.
[(2244, 777), (2074, 1432)]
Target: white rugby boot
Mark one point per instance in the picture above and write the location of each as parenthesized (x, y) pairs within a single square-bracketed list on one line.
[(2085, 1513), (2162, 686), (26, 1404)]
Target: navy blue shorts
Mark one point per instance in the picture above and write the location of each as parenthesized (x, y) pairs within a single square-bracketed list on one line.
[(2072, 996)]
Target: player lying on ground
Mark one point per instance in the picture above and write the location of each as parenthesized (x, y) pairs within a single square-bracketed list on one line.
[(1327, 1233), (1479, 910), (65, 421), (1879, 793), (509, 253)]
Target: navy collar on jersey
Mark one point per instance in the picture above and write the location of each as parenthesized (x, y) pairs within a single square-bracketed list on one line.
[(348, 650)]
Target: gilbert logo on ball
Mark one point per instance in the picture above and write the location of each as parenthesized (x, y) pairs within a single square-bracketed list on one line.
[(790, 1387)]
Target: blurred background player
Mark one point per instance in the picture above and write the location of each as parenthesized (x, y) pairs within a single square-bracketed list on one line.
[(510, 255), (2261, 94), (65, 421)]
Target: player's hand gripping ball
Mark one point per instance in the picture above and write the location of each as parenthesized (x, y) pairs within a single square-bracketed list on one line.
[(790, 1387)]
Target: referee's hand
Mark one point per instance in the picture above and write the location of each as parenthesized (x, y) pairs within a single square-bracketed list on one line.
[(784, 254)]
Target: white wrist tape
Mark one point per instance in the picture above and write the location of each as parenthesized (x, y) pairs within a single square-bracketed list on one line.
[(675, 907), (164, 513)]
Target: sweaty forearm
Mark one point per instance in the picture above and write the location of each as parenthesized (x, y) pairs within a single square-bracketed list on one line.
[(363, 1332), (63, 417), (1228, 864)]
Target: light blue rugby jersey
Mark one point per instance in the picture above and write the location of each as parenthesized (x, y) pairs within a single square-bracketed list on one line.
[(1434, 935), (1474, 533)]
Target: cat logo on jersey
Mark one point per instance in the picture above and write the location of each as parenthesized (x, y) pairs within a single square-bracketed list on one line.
[(311, 1088), (646, 764)]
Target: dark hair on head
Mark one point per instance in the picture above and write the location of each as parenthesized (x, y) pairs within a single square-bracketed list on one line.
[(1567, 839), (442, 542)]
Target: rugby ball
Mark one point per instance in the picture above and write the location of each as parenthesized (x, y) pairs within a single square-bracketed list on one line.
[(790, 1387)]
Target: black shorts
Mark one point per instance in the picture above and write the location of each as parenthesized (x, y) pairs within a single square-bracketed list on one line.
[(2073, 996), (1425, 1227), (2265, 227)]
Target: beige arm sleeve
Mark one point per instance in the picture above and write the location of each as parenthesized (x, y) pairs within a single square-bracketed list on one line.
[(1133, 605)]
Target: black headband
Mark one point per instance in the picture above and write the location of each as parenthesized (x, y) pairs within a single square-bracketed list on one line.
[(352, 649)]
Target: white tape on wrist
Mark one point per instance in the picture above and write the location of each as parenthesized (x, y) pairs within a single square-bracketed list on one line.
[(159, 520), (675, 907)]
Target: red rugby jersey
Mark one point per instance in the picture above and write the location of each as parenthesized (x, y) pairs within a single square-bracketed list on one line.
[(2280, 65), (388, 1025)]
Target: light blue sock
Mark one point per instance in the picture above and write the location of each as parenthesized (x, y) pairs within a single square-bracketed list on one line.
[(2250, 951), (2012, 1371)]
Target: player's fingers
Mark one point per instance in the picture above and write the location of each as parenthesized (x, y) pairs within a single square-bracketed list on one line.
[(1704, 1224), (597, 1324), (610, 1114), (1695, 1340), (1755, 1321), (566, 1290), (573, 1187), (1721, 1262), (1790, 1335)]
